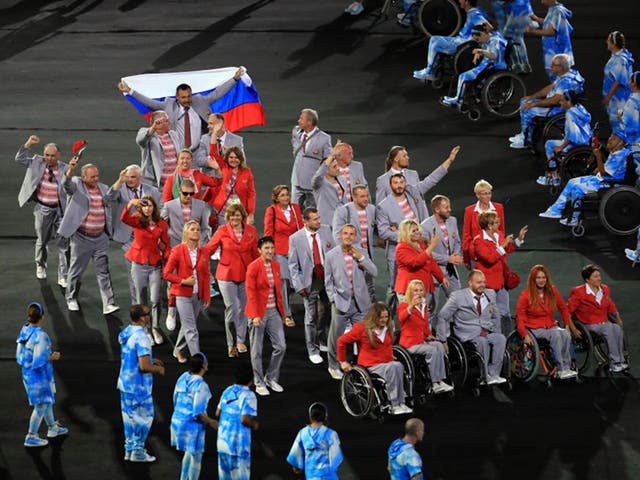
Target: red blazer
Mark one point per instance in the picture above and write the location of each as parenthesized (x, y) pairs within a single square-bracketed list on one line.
[(277, 226), (489, 261), (200, 180), (368, 356), (471, 228), (586, 309), (244, 187), (179, 268), (414, 328), (540, 316), (414, 265), (236, 255), (257, 288), (149, 246)]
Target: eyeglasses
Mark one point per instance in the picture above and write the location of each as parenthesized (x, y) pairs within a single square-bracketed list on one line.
[(187, 194)]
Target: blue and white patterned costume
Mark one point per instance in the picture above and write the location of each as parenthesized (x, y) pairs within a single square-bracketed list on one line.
[(190, 398), (557, 16), (135, 387), (518, 18), (577, 129), (572, 80), (631, 119), (448, 45), (316, 450), (32, 354), (618, 69), (234, 439), (578, 187), (499, 8), (404, 461)]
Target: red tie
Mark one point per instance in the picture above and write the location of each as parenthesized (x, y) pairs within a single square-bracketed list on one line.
[(220, 150), (318, 269), (304, 143), (478, 304), (187, 128)]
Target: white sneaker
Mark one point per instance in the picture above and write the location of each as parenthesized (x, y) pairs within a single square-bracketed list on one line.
[(569, 222), (127, 456), (315, 358), (354, 8), (403, 20), (170, 322), (518, 144), (497, 380), (72, 306), (63, 282), (157, 336), (546, 181), (441, 387), (262, 390), (549, 214), (518, 137), (109, 309), (632, 254), (141, 456), (335, 374), (423, 75), (324, 348), (618, 367), (41, 272), (567, 374), (273, 385), (400, 409)]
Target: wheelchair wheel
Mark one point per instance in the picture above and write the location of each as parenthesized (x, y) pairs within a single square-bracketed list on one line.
[(523, 358), (457, 362), (578, 230), (357, 392), (554, 128), (463, 59), (501, 94), (601, 350), (583, 347), (402, 355), (440, 17), (577, 162), (619, 210)]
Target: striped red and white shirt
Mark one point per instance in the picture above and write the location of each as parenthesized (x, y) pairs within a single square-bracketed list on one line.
[(406, 208), (364, 228), (186, 212), (238, 233), (271, 300), (170, 157), (47, 192), (445, 235), (346, 173), (96, 219), (348, 260)]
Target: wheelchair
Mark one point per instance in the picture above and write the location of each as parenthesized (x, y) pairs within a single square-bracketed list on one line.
[(526, 361), (591, 345), (549, 127), (450, 66), (576, 162), (431, 17), (364, 394), (467, 367)]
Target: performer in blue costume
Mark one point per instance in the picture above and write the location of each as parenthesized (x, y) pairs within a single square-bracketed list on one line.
[(617, 74)]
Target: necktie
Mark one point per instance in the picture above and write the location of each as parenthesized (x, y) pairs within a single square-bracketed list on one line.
[(52, 177), (305, 137), (478, 304), (318, 269), (135, 193), (187, 128), (220, 149)]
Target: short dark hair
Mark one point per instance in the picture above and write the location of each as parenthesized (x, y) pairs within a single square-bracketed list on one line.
[(318, 412), (219, 116), (182, 86), (588, 270), (308, 211), (265, 239), (137, 311), (196, 362), (243, 374), (396, 175)]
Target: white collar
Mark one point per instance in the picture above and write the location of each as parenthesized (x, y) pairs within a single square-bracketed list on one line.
[(492, 208), (486, 236)]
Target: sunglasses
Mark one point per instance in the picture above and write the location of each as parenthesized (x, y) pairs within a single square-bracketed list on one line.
[(187, 194)]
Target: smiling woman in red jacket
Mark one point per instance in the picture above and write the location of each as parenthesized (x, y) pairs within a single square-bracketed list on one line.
[(149, 248), (183, 172), (536, 307), (374, 337), (281, 220), (188, 271), (238, 243)]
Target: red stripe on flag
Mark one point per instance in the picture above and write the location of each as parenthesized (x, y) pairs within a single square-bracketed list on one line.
[(246, 115)]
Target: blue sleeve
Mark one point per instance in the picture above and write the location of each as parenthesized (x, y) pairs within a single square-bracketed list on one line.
[(413, 464), (335, 452), (143, 346), (201, 399), (41, 350), (296, 454), (249, 405), (620, 72)]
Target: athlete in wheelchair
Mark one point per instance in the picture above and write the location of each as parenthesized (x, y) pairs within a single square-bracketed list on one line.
[(592, 306), (377, 384), (545, 103), (538, 341), (469, 327), (427, 354)]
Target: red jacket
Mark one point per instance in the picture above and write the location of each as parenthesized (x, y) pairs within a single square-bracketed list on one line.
[(471, 228), (257, 288), (235, 255), (179, 268), (585, 308), (414, 328), (200, 180), (414, 265), (277, 226), (489, 261), (244, 187), (149, 246), (540, 316), (368, 356)]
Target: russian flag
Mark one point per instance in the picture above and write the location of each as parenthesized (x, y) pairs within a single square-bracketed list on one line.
[(241, 105)]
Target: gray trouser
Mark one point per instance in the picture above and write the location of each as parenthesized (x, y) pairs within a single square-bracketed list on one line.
[(147, 281), (612, 332), (491, 357), (284, 270), (391, 264), (127, 262), (83, 249), (235, 322), (393, 373), (560, 341), (46, 223), (272, 324), (433, 353), (370, 280), (304, 197), (188, 309), (316, 309), (339, 322), (502, 302)]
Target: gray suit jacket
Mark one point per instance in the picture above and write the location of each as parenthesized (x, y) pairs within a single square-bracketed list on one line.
[(356, 173), (460, 311), (307, 162), (326, 194), (383, 188), (301, 256), (337, 284), (201, 154), (199, 103), (348, 214), (152, 154), (35, 169), (122, 233), (440, 253), (172, 213), (78, 206), (389, 213)]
